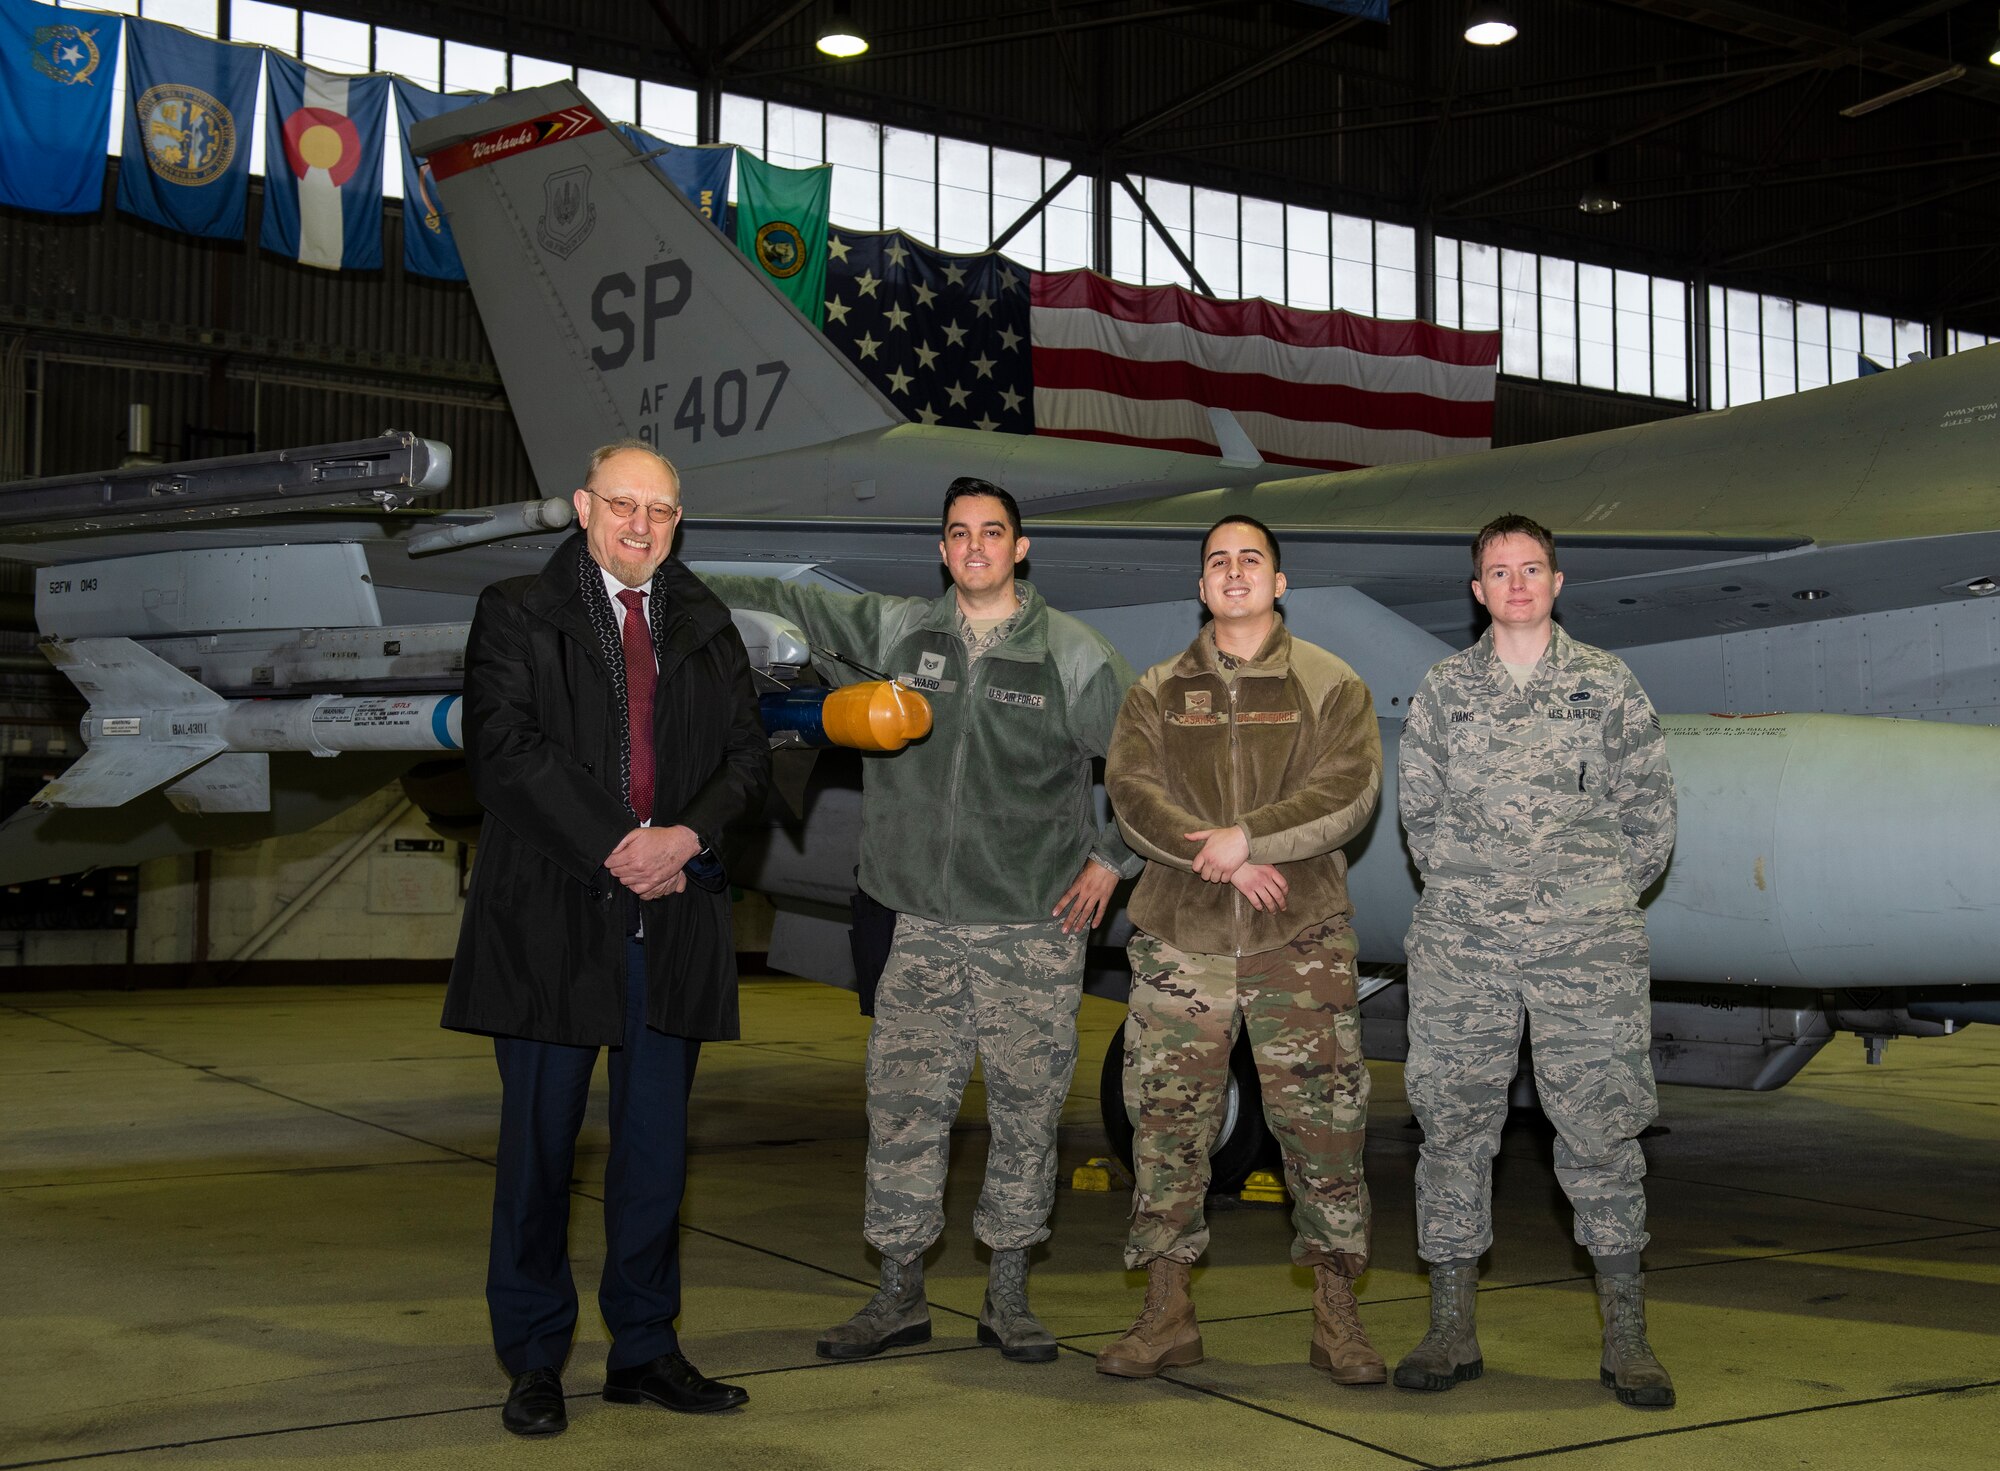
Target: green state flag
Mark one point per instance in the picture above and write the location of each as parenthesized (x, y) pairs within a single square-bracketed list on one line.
[(781, 217)]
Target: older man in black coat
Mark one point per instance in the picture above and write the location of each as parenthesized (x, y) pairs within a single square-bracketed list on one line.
[(612, 734)]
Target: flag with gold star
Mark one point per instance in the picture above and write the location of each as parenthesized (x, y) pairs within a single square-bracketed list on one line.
[(944, 336)]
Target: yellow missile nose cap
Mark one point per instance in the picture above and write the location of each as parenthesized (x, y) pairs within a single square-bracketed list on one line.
[(877, 715)]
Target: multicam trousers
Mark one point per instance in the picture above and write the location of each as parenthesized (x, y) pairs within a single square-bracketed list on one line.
[(1583, 992), (1008, 992), (1298, 1004)]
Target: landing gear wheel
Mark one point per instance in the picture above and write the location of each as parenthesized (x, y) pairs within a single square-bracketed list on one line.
[(1242, 1144)]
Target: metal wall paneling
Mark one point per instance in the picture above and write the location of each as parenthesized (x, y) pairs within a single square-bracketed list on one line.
[(1528, 412)]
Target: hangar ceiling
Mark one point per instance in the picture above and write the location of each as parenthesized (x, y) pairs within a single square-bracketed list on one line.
[(1718, 124)]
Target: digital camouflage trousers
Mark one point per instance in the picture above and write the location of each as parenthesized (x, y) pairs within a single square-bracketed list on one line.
[(1007, 993), (1582, 991)]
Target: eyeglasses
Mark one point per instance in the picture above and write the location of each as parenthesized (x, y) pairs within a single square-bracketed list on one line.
[(624, 507)]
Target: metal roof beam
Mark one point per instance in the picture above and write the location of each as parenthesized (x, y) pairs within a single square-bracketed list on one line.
[(1711, 103), (1469, 114), (1984, 181), (1753, 22), (1167, 238), (1240, 78)]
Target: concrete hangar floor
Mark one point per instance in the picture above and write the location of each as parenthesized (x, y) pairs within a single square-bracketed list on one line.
[(246, 1228)]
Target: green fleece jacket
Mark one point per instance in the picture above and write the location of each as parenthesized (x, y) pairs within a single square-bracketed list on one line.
[(989, 818), (1288, 751)]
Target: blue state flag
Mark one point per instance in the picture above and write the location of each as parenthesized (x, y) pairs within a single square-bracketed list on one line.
[(700, 173), (189, 105), (1366, 9), (55, 105), (323, 166), (428, 249)]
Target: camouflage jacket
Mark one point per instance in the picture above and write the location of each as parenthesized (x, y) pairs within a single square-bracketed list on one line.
[(1552, 801), (989, 817), (1289, 751)]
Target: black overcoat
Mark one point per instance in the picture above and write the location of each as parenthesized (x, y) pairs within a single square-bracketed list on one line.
[(541, 953)]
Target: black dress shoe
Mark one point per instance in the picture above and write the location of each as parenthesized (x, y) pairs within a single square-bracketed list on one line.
[(671, 1382), (535, 1404)]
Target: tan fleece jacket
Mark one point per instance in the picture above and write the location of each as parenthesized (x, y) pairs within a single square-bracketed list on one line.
[(1288, 751)]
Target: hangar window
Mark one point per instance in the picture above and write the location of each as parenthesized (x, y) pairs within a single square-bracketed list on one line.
[(1308, 258), (1067, 228), (794, 137), (418, 58), (965, 195), (1173, 206), (1966, 341), (332, 44), (536, 71), (473, 68), (1566, 321), (854, 148), (614, 96), (1246, 246), (195, 15), (1763, 346), (668, 112), (276, 26), (909, 181)]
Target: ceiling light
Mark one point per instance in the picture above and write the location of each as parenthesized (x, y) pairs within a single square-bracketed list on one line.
[(840, 37), (1599, 199), (1993, 51), (1489, 25)]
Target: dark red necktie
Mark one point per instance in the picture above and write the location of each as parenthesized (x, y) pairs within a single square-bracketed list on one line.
[(640, 677)]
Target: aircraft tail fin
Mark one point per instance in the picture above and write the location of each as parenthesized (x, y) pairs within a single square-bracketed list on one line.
[(615, 309), (148, 723), (1232, 442)]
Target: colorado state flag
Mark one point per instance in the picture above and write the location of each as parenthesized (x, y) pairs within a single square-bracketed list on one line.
[(188, 107), (428, 249), (323, 166), (55, 105)]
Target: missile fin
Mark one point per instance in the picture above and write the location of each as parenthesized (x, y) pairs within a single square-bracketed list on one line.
[(235, 781)]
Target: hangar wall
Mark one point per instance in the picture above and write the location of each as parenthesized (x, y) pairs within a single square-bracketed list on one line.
[(235, 349)]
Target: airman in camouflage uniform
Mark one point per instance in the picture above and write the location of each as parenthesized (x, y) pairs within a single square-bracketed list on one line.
[(984, 841), (1238, 769), (1538, 804)]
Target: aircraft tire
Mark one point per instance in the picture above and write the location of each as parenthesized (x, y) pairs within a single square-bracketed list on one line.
[(1244, 1144)]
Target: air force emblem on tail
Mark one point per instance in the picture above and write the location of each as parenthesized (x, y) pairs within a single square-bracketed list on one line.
[(568, 215)]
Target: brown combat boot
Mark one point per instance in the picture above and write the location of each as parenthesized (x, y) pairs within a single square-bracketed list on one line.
[(1339, 1344), (1628, 1368), (1166, 1336)]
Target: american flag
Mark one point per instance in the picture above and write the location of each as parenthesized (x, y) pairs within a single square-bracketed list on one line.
[(944, 336), (982, 342)]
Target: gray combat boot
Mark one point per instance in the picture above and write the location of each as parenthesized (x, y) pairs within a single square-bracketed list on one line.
[(895, 1317), (1628, 1368), (1449, 1353), (1005, 1318)]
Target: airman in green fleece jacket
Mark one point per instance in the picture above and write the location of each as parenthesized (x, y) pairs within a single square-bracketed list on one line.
[(983, 839)]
